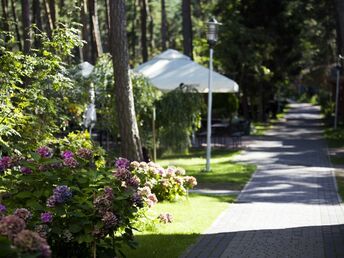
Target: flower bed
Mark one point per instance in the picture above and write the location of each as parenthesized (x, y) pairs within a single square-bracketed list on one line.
[(68, 198)]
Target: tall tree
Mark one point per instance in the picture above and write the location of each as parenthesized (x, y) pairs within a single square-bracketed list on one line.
[(151, 28), (187, 28), (97, 48), (163, 25), (86, 33), (36, 14), (26, 25), (130, 138), (5, 15), (15, 19), (339, 5), (53, 13), (143, 18)]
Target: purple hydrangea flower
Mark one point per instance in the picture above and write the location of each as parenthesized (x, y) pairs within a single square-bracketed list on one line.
[(122, 174), (42, 230), (23, 213), (137, 200), (11, 225), (102, 204), (51, 201), (67, 154), (26, 170), (84, 153), (134, 181), (2, 208), (109, 219), (46, 217), (44, 152), (108, 193), (61, 194), (122, 163), (31, 241), (70, 162), (5, 162)]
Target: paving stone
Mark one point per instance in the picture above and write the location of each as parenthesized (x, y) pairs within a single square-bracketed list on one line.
[(290, 208)]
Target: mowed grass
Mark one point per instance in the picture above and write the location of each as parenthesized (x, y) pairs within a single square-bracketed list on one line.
[(191, 217), (340, 184), (223, 170)]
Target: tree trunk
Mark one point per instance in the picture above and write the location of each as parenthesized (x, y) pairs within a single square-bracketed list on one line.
[(48, 18), (163, 26), (143, 18), (133, 37), (130, 139), (151, 31), (36, 19), (339, 5), (97, 48), (107, 26), (36, 14), (4, 5), (187, 28), (26, 25), (15, 19), (86, 33), (53, 12)]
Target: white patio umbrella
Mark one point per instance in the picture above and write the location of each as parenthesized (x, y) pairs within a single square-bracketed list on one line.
[(171, 68)]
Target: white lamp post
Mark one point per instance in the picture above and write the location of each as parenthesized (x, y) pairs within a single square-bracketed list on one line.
[(212, 39)]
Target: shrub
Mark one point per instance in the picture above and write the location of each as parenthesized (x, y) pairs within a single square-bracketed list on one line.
[(79, 204), (166, 184)]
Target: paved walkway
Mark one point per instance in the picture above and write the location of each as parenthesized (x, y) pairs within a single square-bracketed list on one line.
[(290, 208)]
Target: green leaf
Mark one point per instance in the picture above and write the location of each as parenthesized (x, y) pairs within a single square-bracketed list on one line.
[(24, 195), (75, 228)]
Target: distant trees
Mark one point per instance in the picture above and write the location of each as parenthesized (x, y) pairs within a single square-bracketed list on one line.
[(187, 28), (263, 45), (339, 5)]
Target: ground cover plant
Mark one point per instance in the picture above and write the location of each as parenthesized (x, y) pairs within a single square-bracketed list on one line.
[(224, 172), (189, 219)]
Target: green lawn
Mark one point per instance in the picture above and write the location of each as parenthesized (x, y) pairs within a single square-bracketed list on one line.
[(191, 217), (224, 172), (340, 184), (335, 138), (337, 160)]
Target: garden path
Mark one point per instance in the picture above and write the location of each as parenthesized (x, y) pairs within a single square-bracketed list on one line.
[(290, 208)]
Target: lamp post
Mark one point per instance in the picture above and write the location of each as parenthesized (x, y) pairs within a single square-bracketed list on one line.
[(212, 39), (337, 91)]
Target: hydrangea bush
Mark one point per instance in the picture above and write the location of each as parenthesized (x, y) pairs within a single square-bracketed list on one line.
[(166, 184), (70, 198), (73, 201)]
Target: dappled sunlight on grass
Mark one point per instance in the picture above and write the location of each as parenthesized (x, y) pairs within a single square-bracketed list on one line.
[(191, 217), (340, 184)]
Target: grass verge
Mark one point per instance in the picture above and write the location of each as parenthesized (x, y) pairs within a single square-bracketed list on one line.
[(191, 217), (224, 172), (340, 184)]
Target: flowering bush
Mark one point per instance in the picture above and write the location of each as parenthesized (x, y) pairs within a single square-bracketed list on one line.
[(77, 204), (15, 240), (70, 198), (166, 184)]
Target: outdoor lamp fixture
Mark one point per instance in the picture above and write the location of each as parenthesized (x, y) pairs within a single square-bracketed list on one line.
[(212, 32), (338, 67)]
